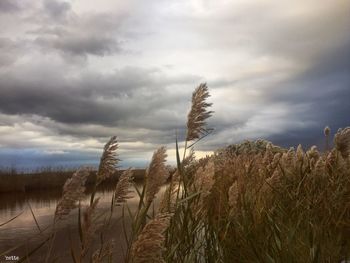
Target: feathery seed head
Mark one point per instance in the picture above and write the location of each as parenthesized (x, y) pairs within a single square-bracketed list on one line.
[(122, 189), (342, 142), (327, 131), (276, 158), (149, 245), (313, 156), (204, 178), (167, 203), (331, 159), (233, 194), (313, 153), (269, 146), (275, 161), (274, 179), (73, 191), (105, 251), (288, 157), (319, 167), (88, 226), (268, 156), (300, 153), (198, 113), (190, 158), (156, 174), (109, 160), (203, 182)]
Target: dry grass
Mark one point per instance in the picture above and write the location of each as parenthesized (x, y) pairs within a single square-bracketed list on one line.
[(156, 174), (149, 245), (266, 207), (342, 142), (250, 202), (109, 161), (88, 227), (122, 189), (73, 192), (198, 113)]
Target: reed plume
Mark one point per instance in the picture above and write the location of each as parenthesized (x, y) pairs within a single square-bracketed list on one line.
[(319, 167), (204, 178), (313, 156), (109, 160), (73, 192), (149, 246), (246, 203), (88, 227), (122, 189), (274, 180), (189, 159), (105, 251), (168, 200), (203, 182), (313, 153), (187, 163), (156, 174), (233, 194), (327, 132), (342, 141), (198, 113)]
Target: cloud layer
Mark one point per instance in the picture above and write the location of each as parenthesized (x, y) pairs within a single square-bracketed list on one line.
[(74, 73)]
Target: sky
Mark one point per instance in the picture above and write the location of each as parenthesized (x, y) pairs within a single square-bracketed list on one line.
[(74, 73)]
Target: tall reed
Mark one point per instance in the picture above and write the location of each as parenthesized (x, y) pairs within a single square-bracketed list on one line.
[(249, 202)]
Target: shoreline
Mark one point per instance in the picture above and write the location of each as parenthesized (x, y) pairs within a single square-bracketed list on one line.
[(12, 183)]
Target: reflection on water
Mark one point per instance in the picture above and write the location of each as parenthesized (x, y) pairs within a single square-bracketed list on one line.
[(12, 203), (43, 204)]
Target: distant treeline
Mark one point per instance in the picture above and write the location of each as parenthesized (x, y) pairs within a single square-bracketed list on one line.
[(13, 181)]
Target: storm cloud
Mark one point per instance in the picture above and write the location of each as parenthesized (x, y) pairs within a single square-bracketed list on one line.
[(9, 6), (74, 73)]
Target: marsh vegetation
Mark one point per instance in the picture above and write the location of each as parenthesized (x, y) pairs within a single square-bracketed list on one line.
[(252, 202)]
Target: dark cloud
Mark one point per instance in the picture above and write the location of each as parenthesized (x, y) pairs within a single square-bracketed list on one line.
[(8, 49), (58, 28), (132, 97), (81, 45), (313, 98), (9, 6), (325, 89), (56, 9), (277, 70)]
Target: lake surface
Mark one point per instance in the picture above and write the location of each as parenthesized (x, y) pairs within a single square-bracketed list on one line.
[(23, 231)]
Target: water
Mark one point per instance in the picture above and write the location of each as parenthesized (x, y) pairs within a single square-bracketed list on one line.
[(23, 231)]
